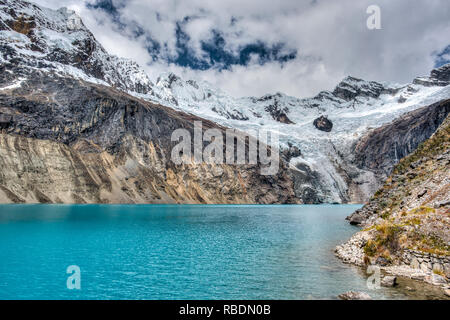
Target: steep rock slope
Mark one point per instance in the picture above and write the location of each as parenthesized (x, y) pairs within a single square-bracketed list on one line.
[(33, 37), (380, 149), (407, 221), (66, 140), (397, 139)]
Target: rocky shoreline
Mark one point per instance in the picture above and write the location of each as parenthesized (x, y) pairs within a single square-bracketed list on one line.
[(352, 252)]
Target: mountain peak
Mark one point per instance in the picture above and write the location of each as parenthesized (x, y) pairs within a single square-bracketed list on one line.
[(438, 77), (351, 87), (57, 41), (74, 21)]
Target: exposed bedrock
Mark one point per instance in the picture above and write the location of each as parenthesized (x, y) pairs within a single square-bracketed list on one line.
[(382, 148), (69, 141)]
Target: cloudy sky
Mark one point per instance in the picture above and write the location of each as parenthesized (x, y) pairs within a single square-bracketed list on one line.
[(254, 47)]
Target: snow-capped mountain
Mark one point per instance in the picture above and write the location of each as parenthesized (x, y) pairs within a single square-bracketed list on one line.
[(33, 38), (57, 41), (353, 107)]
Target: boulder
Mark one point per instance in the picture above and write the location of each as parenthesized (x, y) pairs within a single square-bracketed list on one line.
[(5, 121), (436, 279), (389, 281), (356, 219), (323, 124), (382, 261), (352, 295)]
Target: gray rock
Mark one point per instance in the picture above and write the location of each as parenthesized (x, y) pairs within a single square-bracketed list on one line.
[(375, 149), (277, 114), (5, 121), (447, 270), (352, 295), (424, 266), (350, 88), (389, 281), (418, 276), (442, 204), (323, 124), (402, 99), (437, 279), (356, 219), (415, 263), (438, 267), (382, 261), (441, 74)]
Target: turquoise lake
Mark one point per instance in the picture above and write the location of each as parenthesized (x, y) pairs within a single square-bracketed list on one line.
[(177, 252)]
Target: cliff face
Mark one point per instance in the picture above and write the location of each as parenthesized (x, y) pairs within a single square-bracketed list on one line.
[(407, 221), (380, 149), (69, 141)]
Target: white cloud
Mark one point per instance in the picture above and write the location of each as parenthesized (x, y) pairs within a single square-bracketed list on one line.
[(331, 38)]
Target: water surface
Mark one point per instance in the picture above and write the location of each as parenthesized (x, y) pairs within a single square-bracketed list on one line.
[(177, 252)]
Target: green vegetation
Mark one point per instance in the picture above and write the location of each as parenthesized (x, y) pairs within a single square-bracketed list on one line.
[(371, 248), (439, 272), (408, 229), (432, 244), (422, 210)]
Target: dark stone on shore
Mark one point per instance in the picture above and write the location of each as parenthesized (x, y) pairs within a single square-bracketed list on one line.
[(356, 218), (389, 281), (382, 261)]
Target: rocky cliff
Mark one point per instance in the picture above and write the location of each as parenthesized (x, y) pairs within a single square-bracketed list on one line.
[(69, 141), (380, 149), (407, 221)]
